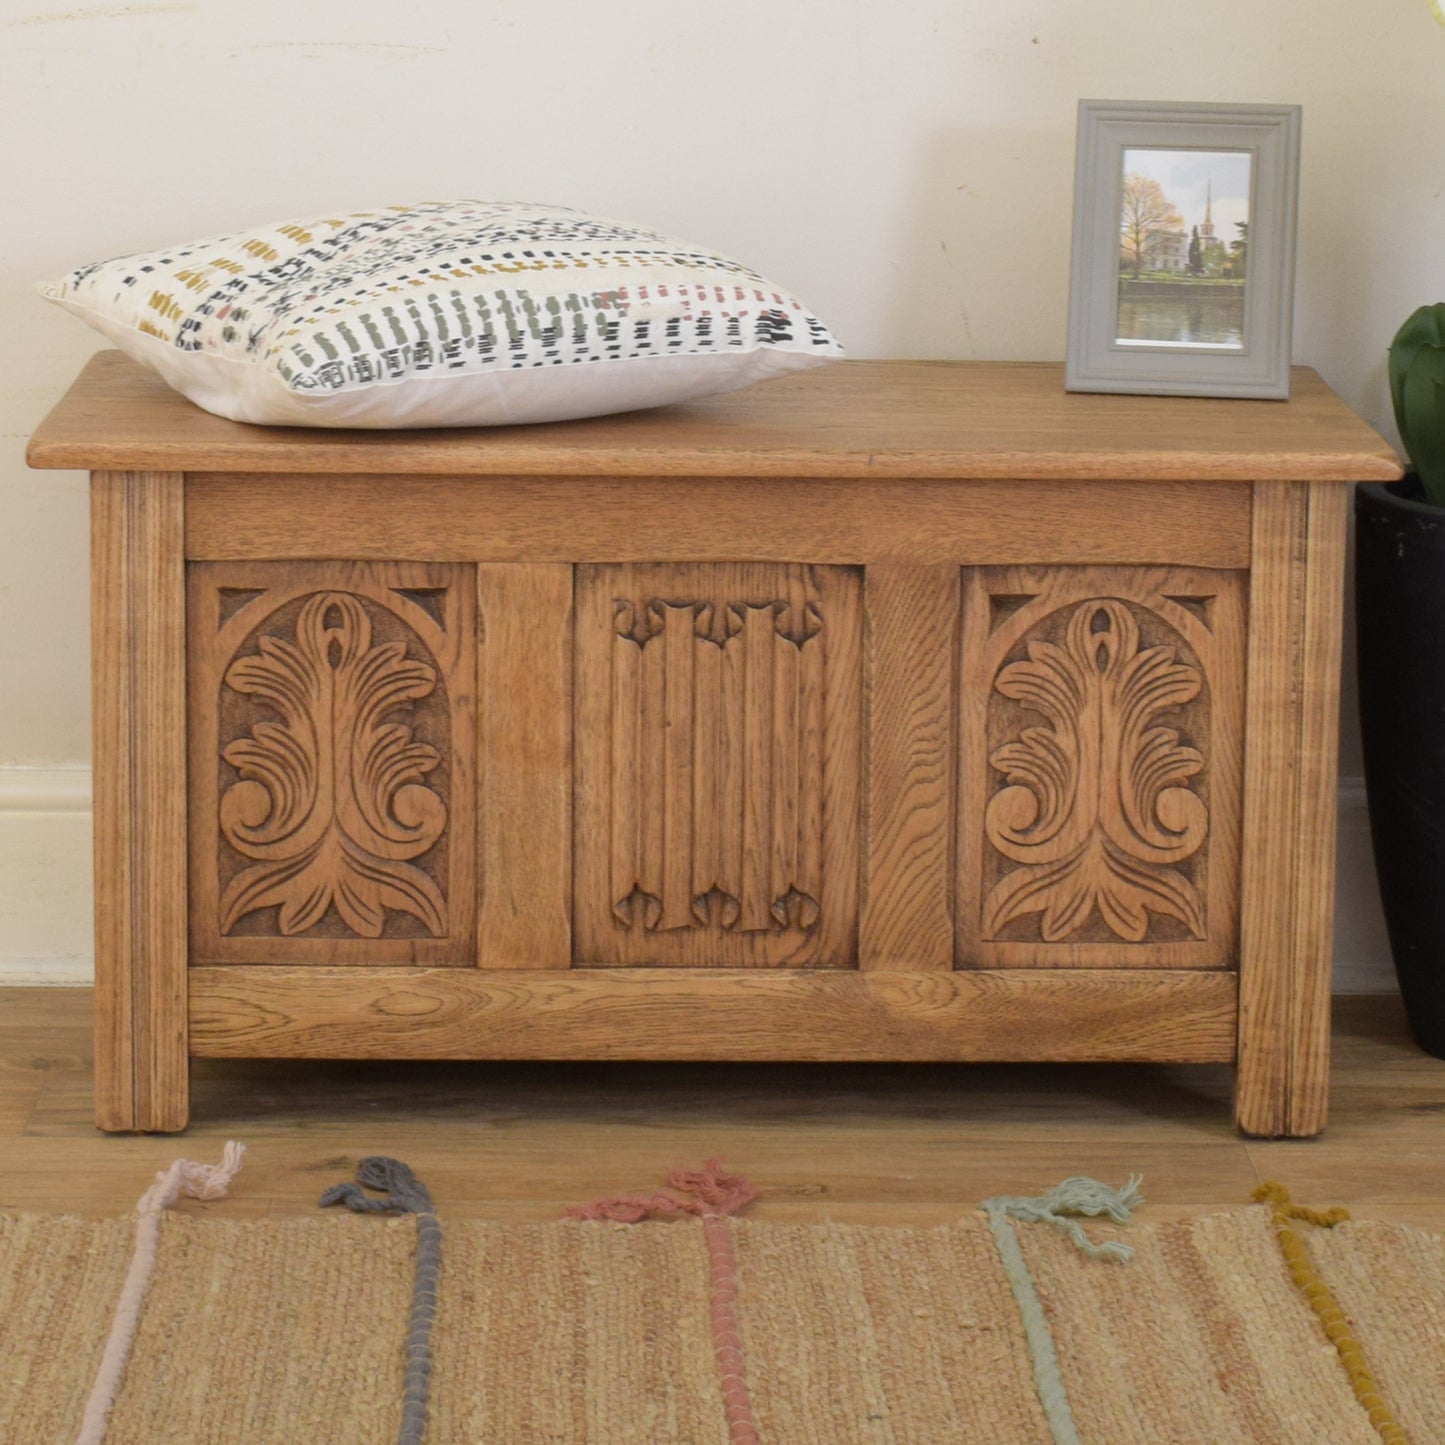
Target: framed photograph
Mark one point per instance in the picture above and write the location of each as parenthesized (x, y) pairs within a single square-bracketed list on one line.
[(1184, 238)]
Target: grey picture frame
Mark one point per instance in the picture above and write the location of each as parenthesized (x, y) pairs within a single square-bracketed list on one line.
[(1257, 365)]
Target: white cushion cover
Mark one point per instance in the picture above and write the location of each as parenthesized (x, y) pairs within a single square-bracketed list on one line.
[(464, 313)]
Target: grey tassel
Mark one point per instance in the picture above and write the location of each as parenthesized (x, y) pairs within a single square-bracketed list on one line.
[(403, 1193)]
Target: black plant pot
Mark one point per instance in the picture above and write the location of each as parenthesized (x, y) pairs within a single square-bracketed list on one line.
[(1400, 610)]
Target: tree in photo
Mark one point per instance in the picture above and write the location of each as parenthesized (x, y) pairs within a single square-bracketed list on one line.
[(1145, 213), (1238, 263), (1195, 264)]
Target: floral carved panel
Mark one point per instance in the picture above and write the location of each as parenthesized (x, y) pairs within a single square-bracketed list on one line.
[(332, 725), (717, 764), (1100, 767)]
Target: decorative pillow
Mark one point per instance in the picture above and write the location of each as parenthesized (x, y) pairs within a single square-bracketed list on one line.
[(465, 313)]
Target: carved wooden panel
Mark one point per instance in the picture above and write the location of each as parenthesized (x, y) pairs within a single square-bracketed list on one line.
[(332, 725), (718, 764), (1100, 772)]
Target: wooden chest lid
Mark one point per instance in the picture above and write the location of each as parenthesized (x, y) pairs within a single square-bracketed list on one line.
[(883, 419)]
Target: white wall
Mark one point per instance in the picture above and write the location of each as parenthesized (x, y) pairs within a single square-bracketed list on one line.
[(907, 167)]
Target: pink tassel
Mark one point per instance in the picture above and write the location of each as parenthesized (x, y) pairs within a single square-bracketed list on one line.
[(200, 1181), (721, 1193), (710, 1194), (700, 1192)]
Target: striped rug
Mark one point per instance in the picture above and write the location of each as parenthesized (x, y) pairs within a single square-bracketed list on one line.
[(1010, 1325)]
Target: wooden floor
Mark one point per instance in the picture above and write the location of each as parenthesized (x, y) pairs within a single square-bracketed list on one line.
[(894, 1144)]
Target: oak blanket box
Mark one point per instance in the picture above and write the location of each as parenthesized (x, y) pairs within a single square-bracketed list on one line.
[(896, 710)]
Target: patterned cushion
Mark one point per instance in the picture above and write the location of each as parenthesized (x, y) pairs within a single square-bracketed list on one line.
[(465, 313)]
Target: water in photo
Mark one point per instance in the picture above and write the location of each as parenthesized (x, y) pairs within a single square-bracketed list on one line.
[(1184, 248)]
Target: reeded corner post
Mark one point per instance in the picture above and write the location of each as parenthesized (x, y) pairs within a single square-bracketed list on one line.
[(138, 646), (1296, 607)]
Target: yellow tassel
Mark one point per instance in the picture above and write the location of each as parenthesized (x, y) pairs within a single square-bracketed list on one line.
[(1283, 1211)]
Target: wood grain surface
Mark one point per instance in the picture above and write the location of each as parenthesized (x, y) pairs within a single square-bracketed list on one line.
[(724, 519), (138, 681), (525, 716), (1296, 602), (711, 1014), (851, 419), (912, 690)]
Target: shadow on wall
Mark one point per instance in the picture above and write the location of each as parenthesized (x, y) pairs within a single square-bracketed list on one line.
[(982, 268)]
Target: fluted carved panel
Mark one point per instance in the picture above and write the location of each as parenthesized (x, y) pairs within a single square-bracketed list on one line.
[(332, 734), (1099, 807), (718, 764)]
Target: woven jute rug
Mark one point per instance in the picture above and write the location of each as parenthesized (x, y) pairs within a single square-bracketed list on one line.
[(709, 1329)]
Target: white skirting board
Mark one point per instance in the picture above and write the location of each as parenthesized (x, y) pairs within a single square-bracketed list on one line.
[(45, 886), (1362, 948)]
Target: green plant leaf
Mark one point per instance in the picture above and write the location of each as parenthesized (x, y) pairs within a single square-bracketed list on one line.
[(1423, 406), (1417, 389)]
